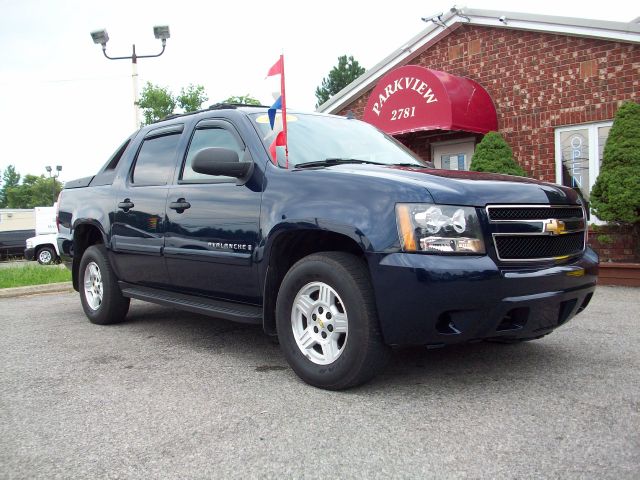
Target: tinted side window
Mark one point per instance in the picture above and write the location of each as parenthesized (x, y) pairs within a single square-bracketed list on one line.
[(156, 160), (206, 138), (112, 163)]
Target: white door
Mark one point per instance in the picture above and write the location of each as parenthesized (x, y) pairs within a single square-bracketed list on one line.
[(453, 155)]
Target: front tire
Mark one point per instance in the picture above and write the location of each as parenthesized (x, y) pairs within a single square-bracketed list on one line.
[(46, 256), (327, 321), (102, 299)]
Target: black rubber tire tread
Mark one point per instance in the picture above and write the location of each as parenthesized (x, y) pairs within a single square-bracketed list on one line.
[(54, 255), (368, 353), (114, 305)]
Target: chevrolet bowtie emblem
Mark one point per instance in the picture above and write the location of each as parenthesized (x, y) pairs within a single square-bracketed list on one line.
[(555, 227)]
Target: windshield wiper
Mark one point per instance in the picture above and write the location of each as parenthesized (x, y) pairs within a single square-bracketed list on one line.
[(335, 161), (417, 165)]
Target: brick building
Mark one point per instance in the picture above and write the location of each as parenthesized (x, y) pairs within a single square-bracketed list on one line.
[(555, 84)]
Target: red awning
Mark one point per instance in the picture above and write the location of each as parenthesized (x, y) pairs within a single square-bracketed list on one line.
[(413, 98)]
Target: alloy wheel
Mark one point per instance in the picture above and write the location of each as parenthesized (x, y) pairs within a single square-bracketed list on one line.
[(93, 287), (319, 322)]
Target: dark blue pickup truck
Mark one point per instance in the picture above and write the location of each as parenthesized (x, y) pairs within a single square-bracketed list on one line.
[(357, 246)]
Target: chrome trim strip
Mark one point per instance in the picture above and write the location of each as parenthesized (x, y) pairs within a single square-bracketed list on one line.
[(536, 234), (542, 232)]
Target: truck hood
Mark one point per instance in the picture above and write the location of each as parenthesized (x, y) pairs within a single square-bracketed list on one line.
[(468, 188)]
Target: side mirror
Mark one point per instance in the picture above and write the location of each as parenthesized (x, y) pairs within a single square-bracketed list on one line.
[(220, 161)]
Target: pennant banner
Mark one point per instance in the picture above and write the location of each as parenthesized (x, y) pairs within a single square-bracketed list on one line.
[(272, 111), (277, 68), (280, 104)]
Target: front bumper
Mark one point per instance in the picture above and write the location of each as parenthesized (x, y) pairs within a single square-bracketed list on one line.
[(65, 249), (29, 254), (438, 300)]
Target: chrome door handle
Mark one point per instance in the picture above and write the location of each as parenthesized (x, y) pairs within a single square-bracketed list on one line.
[(180, 206), (126, 205)]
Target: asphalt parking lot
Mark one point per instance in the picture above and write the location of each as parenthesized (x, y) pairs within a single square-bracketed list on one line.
[(176, 395)]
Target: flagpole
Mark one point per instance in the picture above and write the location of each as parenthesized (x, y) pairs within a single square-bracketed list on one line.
[(284, 114)]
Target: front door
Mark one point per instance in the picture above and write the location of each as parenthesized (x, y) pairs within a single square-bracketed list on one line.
[(453, 155), (209, 245), (140, 219)]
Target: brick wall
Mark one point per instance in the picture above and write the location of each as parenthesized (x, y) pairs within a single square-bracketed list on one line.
[(615, 243), (537, 81)]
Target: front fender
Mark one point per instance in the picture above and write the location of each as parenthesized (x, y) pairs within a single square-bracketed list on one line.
[(362, 208), (317, 225)]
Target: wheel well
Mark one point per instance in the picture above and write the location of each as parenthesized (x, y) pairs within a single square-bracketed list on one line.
[(84, 236), (286, 250)]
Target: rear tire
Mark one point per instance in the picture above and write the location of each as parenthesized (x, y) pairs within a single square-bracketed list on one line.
[(327, 321), (102, 299)]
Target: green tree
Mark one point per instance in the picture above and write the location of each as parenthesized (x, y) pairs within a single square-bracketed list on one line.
[(191, 98), (156, 103), (34, 191), (10, 179), (242, 99), (493, 154), (616, 194), (339, 77)]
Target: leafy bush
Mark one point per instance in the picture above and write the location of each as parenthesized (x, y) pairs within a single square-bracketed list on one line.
[(616, 194), (604, 239), (493, 154)]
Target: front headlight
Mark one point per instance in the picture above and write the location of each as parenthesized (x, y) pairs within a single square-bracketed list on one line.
[(29, 243), (439, 228)]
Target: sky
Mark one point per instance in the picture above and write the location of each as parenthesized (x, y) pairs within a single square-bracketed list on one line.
[(63, 103)]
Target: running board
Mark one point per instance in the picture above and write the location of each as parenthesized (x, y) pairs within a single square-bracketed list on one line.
[(236, 312)]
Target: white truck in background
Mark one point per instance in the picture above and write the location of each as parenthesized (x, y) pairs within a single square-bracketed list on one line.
[(44, 247)]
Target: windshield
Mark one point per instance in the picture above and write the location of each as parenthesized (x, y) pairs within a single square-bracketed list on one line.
[(318, 138)]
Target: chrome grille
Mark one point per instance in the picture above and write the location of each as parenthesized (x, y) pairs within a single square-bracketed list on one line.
[(529, 233)]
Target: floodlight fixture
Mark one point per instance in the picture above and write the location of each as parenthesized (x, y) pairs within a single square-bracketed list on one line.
[(53, 180), (100, 37), (161, 32), (432, 18), (437, 19)]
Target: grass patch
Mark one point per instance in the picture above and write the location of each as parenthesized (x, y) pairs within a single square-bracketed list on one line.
[(33, 275)]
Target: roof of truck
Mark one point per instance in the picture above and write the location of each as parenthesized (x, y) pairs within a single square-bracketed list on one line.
[(218, 106)]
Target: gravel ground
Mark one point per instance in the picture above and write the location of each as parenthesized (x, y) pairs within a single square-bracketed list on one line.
[(176, 395)]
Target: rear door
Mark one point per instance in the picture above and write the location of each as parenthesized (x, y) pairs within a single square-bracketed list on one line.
[(209, 246), (140, 219)]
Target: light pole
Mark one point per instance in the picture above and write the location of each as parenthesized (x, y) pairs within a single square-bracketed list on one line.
[(161, 32), (53, 179)]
